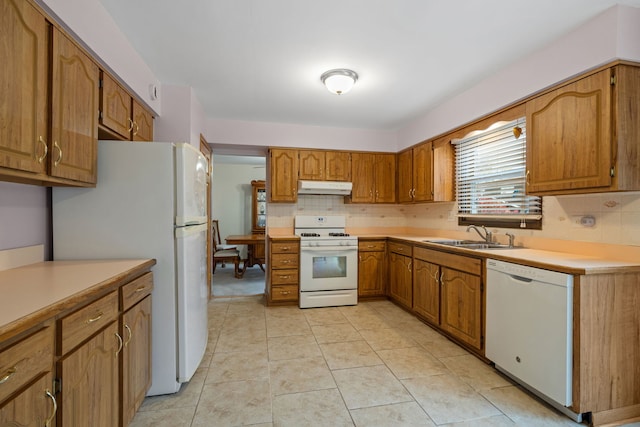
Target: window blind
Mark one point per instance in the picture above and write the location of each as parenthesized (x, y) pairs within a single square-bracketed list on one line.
[(490, 174)]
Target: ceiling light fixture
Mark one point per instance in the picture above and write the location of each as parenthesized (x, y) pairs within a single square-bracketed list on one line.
[(339, 81)]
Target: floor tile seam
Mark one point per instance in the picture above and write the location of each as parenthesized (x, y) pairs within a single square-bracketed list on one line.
[(301, 392), (344, 402)]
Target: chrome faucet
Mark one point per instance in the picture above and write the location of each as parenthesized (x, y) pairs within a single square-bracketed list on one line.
[(488, 237), (511, 238)]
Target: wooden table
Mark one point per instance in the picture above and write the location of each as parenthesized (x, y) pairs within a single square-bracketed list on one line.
[(253, 241)]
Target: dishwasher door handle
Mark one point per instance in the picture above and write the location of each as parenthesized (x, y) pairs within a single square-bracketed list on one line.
[(520, 278)]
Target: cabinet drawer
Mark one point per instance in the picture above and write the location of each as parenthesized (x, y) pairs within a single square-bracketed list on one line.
[(371, 246), (284, 293), (80, 325), (284, 277), (457, 262), (284, 247), (284, 261), (22, 362), (400, 248), (136, 290)]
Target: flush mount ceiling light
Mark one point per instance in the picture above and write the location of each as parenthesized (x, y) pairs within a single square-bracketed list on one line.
[(339, 81)]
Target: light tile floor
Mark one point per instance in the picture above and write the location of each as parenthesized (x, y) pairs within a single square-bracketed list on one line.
[(367, 365)]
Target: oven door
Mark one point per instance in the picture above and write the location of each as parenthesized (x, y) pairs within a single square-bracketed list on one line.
[(328, 268)]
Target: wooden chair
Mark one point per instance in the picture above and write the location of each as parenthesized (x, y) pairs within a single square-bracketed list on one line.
[(224, 253)]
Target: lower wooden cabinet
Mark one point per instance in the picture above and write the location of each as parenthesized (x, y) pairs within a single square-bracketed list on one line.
[(89, 382), (400, 274), (448, 293), (136, 358), (283, 274), (34, 407), (372, 268)]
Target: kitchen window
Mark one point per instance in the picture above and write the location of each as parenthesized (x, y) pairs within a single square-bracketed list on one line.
[(490, 178)]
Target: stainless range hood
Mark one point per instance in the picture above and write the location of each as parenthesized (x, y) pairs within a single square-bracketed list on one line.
[(339, 188)]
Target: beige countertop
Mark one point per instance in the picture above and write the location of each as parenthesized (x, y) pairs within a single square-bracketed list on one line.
[(37, 292), (558, 261)]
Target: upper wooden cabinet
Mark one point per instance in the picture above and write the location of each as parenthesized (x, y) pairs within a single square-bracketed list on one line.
[(115, 107), (74, 112), (121, 116), (426, 173), (415, 174), (325, 165), (374, 178), (282, 170), (142, 123), (583, 137), (24, 35)]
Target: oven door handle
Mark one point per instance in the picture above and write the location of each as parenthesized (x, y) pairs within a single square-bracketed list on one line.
[(329, 248)]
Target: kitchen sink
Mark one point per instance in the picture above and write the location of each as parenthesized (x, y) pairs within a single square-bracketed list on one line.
[(472, 244)]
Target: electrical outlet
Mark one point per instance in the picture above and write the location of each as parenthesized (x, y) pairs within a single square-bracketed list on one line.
[(580, 221), (452, 216)]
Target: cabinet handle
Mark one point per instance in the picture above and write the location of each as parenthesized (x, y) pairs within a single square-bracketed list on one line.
[(435, 276), (377, 194), (47, 422), (119, 343), (57, 162), (140, 289), (441, 278), (135, 132), (46, 149), (284, 277), (527, 180), (95, 319), (409, 266), (370, 246), (285, 292), (370, 193), (130, 125), (130, 335), (286, 261), (8, 374)]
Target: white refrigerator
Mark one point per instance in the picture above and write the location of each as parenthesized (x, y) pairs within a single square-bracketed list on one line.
[(150, 202)]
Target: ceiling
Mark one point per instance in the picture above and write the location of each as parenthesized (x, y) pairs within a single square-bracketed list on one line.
[(261, 60)]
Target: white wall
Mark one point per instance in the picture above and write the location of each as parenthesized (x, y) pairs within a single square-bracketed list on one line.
[(231, 196), (24, 216), (243, 133), (183, 117)]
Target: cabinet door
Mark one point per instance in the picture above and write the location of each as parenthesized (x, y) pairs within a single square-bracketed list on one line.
[(426, 290), (400, 279), (115, 107), (312, 165), (405, 177), (461, 306), (371, 274), (33, 407), (338, 166), (569, 137), (283, 171), (23, 83), (385, 178), (362, 171), (136, 358), (258, 209), (89, 395), (423, 172), (74, 112), (142, 123)]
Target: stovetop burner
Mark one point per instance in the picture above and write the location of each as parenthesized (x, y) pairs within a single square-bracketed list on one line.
[(339, 234), (309, 235)]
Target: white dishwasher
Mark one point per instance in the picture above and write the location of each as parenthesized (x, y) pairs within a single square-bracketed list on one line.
[(529, 328)]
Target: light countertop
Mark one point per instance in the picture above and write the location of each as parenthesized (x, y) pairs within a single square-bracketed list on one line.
[(36, 292)]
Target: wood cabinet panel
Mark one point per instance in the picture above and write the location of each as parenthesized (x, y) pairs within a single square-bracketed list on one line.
[(405, 176), (74, 113), (136, 290), (569, 136), (136, 358), (22, 362), (459, 262), (374, 178), (461, 306), (80, 325), (400, 279), (24, 82), (312, 165), (372, 275), (89, 395), (282, 293), (385, 178), (282, 169), (423, 172), (285, 247), (285, 260), (426, 290), (115, 107), (33, 407), (142, 123), (338, 166), (285, 276)]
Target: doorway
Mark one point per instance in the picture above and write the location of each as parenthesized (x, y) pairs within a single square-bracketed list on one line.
[(232, 206)]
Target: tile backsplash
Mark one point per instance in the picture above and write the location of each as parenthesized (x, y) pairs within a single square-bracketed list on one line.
[(617, 216)]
